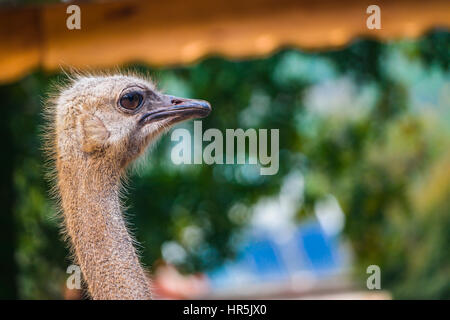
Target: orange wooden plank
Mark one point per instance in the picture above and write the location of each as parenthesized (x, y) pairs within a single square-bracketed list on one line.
[(19, 42), (180, 32)]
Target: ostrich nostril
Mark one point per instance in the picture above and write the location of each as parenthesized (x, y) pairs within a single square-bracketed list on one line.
[(176, 101)]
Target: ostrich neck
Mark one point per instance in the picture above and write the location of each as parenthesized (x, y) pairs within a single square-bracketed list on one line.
[(95, 224)]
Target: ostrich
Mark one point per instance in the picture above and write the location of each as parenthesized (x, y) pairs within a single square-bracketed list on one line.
[(98, 125)]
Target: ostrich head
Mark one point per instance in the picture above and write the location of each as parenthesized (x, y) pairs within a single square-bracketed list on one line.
[(116, 117), (96, 127)]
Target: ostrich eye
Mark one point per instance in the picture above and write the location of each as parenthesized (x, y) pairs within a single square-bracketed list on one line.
[(131, 100)]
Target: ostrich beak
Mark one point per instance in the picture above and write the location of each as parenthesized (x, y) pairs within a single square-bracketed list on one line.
[(178, 109)]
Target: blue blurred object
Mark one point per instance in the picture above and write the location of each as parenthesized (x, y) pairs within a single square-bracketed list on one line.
[(319, 249), (270, 257)]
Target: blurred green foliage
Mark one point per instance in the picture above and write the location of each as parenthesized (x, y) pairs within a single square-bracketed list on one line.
[(369, 124)]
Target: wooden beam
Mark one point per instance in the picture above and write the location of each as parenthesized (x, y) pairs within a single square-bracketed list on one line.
[(20, 42), (180, 32)]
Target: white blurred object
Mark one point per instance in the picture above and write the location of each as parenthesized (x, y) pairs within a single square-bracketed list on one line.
[(340, 98), (330, 215), (172, 252), (275, 214)]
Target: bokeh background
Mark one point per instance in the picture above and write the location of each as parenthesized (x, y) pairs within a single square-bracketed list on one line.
[(364, 179)]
